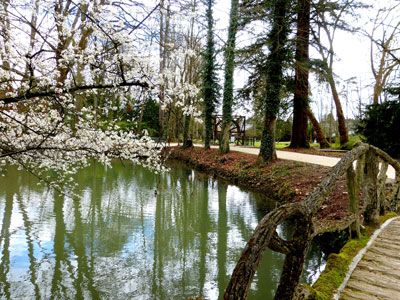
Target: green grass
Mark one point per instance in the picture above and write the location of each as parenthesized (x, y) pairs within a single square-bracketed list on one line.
[(280, 145)]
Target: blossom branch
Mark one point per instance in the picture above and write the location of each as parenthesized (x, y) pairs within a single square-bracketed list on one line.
[(30, 95)]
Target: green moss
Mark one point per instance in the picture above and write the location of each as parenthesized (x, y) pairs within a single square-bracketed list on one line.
[(284, 190), (338, 264), (243, 164), (306, 292), (243, 175), (282, 171), (333, 275), (388, 216)]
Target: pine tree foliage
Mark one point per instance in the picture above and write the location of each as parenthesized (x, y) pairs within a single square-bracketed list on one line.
[(380, 126)]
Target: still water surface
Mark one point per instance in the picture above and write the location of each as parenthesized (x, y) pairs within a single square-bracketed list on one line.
[(133, 235)]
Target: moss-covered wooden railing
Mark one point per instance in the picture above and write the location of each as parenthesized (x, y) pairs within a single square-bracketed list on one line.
[(365, 168)]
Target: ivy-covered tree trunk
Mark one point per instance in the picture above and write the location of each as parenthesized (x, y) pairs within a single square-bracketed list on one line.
[(210, 84), (300, 100), (227, 101), (267, 149), (277, 39)]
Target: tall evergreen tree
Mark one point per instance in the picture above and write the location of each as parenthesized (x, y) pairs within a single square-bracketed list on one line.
[(210, 83), (228, 84), (300, 100), (278, 55)]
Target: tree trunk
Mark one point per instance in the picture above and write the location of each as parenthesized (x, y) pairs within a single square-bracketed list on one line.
[(224, 138), (344, 136), (227, 101), (186, 125), (267, 148), (141, 116), (300, 100), (164, 39), (210, 84), (323, 143), (277, 39), (189, 78)]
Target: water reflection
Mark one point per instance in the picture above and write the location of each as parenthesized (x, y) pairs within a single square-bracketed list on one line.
[(133, 235)]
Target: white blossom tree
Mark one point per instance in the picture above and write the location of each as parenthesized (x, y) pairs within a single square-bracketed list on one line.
[(57, 54)]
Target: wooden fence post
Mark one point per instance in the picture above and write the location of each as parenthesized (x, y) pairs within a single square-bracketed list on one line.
[(396, 193), (381, 185), (353, 190), (294, 260), (371, 205), (360, 170)]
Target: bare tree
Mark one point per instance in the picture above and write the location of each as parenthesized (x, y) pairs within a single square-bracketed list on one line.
[(329, 16), (384, 38)]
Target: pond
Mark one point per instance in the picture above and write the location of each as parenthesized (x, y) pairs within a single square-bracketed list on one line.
[(132, 235)]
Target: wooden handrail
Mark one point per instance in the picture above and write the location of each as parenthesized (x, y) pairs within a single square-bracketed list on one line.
[(307, 226)]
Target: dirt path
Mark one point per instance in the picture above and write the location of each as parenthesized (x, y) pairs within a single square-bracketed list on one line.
[(307, 158)]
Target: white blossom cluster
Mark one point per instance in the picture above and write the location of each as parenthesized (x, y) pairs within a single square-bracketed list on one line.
[(39, 141), (54, 56)]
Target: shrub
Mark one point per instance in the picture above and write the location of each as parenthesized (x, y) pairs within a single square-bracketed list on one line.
[(349, 145), (380, 126)]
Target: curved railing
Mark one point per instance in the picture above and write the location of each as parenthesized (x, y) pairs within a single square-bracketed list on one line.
[(365, 168)]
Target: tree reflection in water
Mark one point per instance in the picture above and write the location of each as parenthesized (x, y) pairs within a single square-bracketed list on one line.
[(132, 235)]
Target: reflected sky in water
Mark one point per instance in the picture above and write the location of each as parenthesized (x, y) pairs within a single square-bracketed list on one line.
[(132, 235)]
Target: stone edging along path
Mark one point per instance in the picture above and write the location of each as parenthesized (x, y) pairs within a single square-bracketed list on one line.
[(360, 255)]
